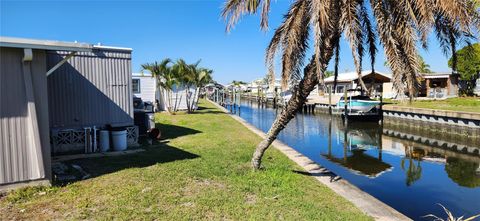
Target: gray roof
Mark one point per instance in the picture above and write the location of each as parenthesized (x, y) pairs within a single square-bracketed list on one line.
[(52, 45)]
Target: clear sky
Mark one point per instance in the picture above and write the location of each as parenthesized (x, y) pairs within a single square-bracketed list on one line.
[(189, 29)]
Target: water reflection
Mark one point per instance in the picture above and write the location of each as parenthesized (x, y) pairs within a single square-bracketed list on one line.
[(414, 169), (407, 170), (357, 140), (461, 167), (464, 173)]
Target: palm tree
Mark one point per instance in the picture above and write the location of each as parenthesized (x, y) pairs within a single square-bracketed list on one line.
[(423, 66), (413, 172), (166, 78), (183, 74), (203, 76), (193, 78), (398, 24)]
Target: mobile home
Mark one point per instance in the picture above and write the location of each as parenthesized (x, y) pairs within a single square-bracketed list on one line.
[(144, 86), (50, 92)]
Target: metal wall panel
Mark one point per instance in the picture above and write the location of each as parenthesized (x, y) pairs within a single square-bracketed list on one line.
[(24, 148), (90, 89)]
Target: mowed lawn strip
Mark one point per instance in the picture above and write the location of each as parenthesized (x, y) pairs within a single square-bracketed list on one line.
[(201, 170), (466, 104)]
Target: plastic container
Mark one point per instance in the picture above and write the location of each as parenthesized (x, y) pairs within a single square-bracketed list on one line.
[(104, 140), (119, 140)]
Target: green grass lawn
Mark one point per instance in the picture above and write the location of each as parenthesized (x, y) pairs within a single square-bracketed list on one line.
[(201, 170), (468, 104)]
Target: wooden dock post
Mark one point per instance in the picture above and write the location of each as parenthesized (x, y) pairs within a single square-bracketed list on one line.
[(345, 112), (234, 95), (275, 99), (258, 94), (380, 112), (330, 99), (230, 101)]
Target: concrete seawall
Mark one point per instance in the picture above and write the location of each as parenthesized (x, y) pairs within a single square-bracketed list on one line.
[(456, 122)]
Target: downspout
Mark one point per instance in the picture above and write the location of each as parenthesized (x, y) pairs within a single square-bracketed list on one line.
[(33, 128)]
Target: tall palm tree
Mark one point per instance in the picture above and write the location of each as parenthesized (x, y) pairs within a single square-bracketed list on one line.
[(166, 78), (398, 24)]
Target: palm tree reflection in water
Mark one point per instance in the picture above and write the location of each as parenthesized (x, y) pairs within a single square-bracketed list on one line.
[(414, 171)]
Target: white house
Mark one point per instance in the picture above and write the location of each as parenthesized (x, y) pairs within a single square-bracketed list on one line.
[(257, 85), (178, 98), (349, 80), (144, 86)]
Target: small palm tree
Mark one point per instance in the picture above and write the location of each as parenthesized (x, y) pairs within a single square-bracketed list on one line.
[(398, 25), (203, 76), (183, 74), (165, 76)]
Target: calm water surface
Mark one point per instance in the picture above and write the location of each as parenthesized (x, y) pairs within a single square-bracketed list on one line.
[(409, 176)]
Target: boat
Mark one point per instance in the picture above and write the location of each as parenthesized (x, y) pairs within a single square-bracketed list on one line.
[(358, 104)]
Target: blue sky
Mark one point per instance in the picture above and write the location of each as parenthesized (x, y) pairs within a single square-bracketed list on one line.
[(185, 29)]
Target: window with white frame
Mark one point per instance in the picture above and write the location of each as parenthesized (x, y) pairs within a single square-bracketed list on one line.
[(136, 86), (340, 89)]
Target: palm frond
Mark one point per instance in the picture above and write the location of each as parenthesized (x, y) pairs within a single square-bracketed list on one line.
[(337, 61), (351, 24), (370, 38), (321, 22), (233, 10), (292, 38)]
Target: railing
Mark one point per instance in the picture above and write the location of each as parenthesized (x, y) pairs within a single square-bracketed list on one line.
[(71, 140)]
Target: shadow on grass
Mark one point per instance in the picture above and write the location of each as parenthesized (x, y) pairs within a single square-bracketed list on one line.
[(333, 177), (202, 108), (158, 153), (170, 131), (208, 112), (155, 154)]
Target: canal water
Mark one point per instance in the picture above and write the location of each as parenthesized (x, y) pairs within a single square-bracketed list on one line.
[(411, 176)]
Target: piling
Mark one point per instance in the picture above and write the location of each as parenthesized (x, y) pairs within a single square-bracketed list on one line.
[(345, 100), (330, 99), (380, 111)]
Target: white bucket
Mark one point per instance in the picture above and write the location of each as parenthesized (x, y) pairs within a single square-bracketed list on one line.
[(119, 140), (104, 140)]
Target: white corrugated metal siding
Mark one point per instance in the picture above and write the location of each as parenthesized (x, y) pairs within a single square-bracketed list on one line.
[(92, 88), (24, 136)]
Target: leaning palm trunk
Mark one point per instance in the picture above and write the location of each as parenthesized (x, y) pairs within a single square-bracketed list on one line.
[(296, 102), (188, 97), (178, 101), (169, 100), (362, 84), (194, 100)]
